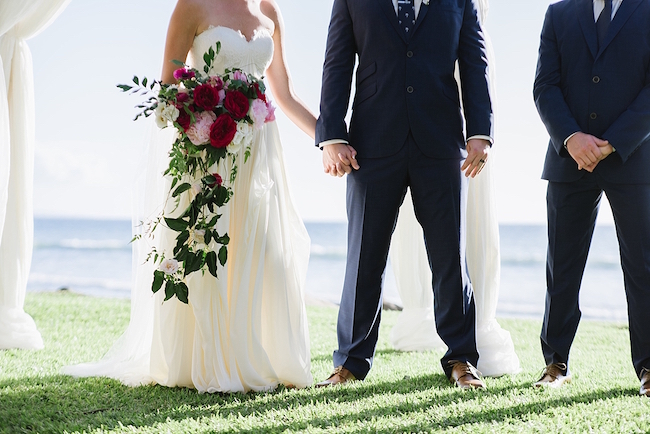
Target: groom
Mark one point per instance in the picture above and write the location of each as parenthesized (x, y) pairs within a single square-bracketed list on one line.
[(592, 91), (408, 131)]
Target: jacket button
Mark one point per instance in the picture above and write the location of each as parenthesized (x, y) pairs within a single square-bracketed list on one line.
[(409, 54), (596, 79), (409, 89), (593, 116)]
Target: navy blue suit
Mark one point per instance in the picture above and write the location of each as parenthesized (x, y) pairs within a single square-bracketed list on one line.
[(407, 127), (603, 91)]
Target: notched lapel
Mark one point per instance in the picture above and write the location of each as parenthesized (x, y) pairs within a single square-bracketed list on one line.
[(389, 10), (588, 24), (622, 15)]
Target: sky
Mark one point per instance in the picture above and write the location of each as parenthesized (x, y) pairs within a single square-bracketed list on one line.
[(88, 149)]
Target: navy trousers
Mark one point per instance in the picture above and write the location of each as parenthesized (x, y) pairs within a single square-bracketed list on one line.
[(572, 210), (374, 195)]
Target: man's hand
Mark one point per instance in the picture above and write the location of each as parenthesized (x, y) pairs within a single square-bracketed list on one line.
[(477, 155), (339, 159), (588, 150)]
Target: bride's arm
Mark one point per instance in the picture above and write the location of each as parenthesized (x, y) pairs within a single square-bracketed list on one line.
[(180, 35), (280, 80)]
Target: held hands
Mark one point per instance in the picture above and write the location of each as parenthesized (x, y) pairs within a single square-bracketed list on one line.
[(588, 150), (339, 159), (477, 155)]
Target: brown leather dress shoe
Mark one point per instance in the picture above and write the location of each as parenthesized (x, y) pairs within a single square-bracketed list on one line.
[(465, 376), (645, 382), (340, 376), (554, 375)]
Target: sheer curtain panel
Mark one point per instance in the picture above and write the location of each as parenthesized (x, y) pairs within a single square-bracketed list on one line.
[(19, 21)]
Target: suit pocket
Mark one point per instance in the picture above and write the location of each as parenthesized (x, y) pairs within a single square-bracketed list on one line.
[(365, 92), (363, 74)]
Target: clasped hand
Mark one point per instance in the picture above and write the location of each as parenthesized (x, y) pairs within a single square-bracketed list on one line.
[(588, 150), (339, 159)]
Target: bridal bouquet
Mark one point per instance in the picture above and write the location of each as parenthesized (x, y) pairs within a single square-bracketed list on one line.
[(215, 117)]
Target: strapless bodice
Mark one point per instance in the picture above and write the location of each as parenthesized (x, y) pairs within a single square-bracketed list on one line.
[(252, 56)]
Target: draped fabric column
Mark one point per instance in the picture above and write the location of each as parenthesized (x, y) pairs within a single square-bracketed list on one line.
[(415, 328), (19, 21)]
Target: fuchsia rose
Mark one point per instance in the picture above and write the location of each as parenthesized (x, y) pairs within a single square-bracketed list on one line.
[(222, 131), (184, 74), (216, 81), (258, 113), (270, 117), (218, 181), (206, 97), (184, 119), (199, 132), (237, 104), (182, 97)]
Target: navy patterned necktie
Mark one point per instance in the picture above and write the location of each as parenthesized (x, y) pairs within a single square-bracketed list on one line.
[(602, 24), (406, 15)]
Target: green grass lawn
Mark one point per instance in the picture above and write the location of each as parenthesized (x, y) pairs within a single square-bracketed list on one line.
[(405, 392)]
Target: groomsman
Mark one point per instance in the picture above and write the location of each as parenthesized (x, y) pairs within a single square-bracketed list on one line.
[(592, 91)]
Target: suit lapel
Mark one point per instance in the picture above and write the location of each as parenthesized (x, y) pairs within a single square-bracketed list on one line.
[(622, 15), (588, 24), (421, 14), (389, 10)]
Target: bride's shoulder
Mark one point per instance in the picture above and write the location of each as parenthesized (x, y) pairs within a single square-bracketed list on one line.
[(271, 10)]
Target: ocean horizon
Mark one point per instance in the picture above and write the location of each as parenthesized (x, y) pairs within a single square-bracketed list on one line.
[(93, 257)]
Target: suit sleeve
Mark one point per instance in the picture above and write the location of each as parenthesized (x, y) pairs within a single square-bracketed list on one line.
[(473, 68), (549, 99), (337, 75), (632, 128)]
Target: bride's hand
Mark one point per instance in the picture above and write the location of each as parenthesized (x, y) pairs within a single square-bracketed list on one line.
[(339, 159)]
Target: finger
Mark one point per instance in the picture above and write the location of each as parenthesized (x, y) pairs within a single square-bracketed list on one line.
[(344, 159), (354, 162)]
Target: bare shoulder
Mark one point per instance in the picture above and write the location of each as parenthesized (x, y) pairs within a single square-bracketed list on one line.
[(271, 9)]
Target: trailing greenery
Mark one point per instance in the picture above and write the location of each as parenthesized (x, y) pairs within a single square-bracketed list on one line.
[(405, 392)]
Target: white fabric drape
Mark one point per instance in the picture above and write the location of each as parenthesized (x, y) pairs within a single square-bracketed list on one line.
[(415, 329), (19, 21)]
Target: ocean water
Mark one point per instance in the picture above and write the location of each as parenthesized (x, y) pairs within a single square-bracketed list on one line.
[(93, 257)]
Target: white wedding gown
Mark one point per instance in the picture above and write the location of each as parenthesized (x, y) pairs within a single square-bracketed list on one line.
[(415, 329), (246, 330)]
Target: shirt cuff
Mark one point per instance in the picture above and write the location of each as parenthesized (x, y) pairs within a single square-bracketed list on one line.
[(568, 138), (331, 142), (488, 138)]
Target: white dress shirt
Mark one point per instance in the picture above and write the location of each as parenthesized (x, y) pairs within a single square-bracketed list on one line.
[(599, 5)]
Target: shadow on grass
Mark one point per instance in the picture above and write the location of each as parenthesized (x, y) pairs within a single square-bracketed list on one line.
[(61, 403)]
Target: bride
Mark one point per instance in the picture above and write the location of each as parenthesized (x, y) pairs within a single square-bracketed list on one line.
[(246, 330)]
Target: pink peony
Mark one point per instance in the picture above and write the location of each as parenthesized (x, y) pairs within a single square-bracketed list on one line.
[(258, 113), (199, 132), (238, 75), (270, 117)]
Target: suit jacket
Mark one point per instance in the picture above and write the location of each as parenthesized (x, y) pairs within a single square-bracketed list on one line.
[(603, 91), (404, 82)]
